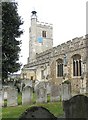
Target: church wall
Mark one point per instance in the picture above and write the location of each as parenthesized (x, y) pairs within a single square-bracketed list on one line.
[(76, 82), (87, 63), (43, 72)]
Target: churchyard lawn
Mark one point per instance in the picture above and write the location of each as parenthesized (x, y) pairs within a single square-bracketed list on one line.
[(14, 112)]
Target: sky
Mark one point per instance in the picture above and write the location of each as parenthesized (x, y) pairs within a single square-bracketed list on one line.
[(67, 16)]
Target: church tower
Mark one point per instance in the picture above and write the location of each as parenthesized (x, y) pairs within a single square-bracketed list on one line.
[(40, 37)]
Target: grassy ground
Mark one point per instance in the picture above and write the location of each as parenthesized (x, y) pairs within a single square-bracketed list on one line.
[(15, 112)]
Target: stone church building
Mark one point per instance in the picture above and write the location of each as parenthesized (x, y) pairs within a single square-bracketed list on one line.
[(68, 61)]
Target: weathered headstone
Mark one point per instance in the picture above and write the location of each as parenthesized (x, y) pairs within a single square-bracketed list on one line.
[(41, 93), (1, 101), (55, 93), (1, 97), (27, 82), (76, 107), (5, 94), (66, 90), (27, 95), (36, 113), (48, 87), (12, 97), (82, 90)]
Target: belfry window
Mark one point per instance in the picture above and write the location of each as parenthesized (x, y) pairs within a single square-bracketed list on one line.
[(76, 65), (44, 34), (42, 74), (59, 68)]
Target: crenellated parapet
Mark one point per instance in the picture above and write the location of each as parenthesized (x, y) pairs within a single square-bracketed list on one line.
[(71, 45), (42, 24), (64, 48)]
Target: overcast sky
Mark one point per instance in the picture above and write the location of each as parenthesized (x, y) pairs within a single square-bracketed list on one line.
[(67, 16)]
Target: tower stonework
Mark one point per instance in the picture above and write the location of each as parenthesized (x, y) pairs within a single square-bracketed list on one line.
[(40, 37)]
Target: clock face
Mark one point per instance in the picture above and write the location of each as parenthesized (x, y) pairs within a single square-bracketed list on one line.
[(40, 39)]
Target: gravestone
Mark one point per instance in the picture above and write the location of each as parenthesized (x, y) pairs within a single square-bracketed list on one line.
[(55, 93), (66, 90), (1, 101), (41, 93), (28, 82), (5, 94), (37, 113), (27, 95), (12, 97), (1, 97), (48, 87), (76, 107), (82, 90)]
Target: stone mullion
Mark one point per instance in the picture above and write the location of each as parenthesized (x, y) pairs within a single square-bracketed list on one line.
[(78, 67), (62, 69), (59, 70), (75, 68)]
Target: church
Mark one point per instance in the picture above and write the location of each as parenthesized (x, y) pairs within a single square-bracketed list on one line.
[(65, 62)]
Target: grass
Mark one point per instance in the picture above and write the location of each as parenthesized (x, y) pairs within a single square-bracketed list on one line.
[(19, 99), (14, 112)]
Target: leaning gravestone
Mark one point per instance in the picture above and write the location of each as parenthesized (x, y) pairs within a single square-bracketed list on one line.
[(27, 95), (41, 93), (12, 97), (66, 90), (55, 93), (76, 107)]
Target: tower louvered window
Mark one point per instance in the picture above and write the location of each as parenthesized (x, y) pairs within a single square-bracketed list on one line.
[(43, 33)]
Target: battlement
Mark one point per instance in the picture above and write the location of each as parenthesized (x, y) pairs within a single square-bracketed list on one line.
[(60, 50), (44, 24), (73, 42), (71, 45)]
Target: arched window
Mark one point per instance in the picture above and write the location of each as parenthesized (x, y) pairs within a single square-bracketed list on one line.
[(59, 68), (76, 65), (44, 34)]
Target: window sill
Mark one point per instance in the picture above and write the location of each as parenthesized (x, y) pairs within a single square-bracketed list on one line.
[(76, 76), (60, 77)]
